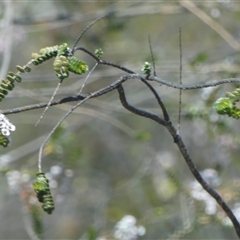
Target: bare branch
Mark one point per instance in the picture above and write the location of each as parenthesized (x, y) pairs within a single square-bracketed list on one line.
[(178, 140)]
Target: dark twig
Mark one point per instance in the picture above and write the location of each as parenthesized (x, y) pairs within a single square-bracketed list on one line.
[(165, 114), (88, 52), (178, 140), (124, 78), (98, 93), (103, 62), (161, 81), (42, 105), (138, 111)]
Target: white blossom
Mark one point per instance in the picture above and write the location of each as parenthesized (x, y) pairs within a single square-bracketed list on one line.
[(126, 229), (6, 126), (198, 193)]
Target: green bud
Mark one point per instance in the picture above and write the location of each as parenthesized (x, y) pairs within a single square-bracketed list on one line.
[(146, 68), (223, 106), (20, 69)]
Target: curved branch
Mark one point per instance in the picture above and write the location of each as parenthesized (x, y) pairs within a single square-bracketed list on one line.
[(138, 111), (213, 83), (178, 140), (165, 114), (103, 62)]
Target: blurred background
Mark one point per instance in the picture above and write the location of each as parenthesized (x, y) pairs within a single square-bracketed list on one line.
[(115, 175)]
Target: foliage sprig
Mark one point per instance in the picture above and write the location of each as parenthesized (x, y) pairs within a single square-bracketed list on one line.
[(227, 105)]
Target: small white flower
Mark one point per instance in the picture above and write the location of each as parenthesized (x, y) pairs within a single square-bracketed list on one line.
[(3, 124), (126, 229), (2, 116), (11, 127), (198, 193), (5, 132), (13, 179), (56, 170), (141, 230)]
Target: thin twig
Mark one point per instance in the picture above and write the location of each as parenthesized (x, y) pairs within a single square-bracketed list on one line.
[(82, 33), (54, 129), (180, 81), (100, 61), (104, 90), (49, 103), (94, 94), (151, 51), (87, 77), (6, 37), (212, 83)]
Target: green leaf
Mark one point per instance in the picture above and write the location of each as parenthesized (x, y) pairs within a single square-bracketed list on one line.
[(200, 58), (143, 136)]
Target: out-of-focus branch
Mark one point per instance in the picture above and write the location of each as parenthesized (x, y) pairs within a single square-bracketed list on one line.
[(6, 37), (212, 23)]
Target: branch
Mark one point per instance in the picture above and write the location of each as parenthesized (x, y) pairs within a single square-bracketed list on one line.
[(178, 140), (213, 83), (137, 111), (98, 93), (119, 81)]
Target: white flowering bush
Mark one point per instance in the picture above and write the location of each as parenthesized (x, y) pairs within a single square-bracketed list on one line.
[(6, 128), (126, 229)]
